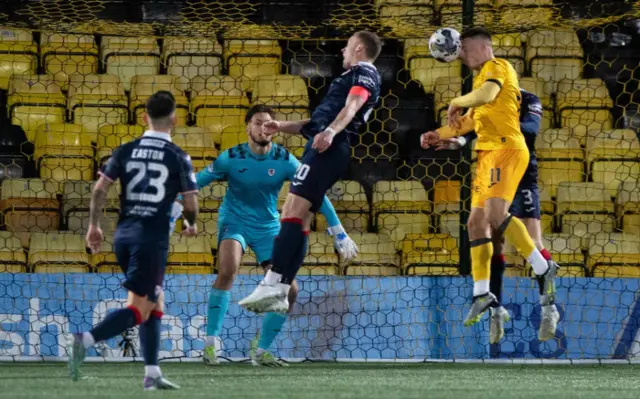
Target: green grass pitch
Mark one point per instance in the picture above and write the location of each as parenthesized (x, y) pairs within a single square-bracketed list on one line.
[(326, 380)]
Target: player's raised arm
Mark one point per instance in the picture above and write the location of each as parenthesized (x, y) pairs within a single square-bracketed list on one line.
[(357, 97), (217, 170), (291, 127)]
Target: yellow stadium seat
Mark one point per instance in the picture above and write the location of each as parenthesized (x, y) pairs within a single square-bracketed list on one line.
[(97, 100), (538, 87), (585, 208), (285, 94), (232, 136), (58, 252), (188, 57), (252, 58), (12, 257), (66, 54), (350, 202), (547, 210), (189, 255), (127, 57), (615, 255), (560, 159), (208, 225), (423, 67), (583, 105), (143, 86), (30, 205), (401, 207), (377, 256), (198, 143), (554, 55), (567, 252), (18, 54), (218, 102), (446, 88), (76, 199), (35, 100), (628, 206), (105, 261), (111, 137), (211, 196), (509, 47), (451, 13), (403, 17), (525, 13), (430, 254), (63, 151), (321, 258), (613, 157), (446, 204)]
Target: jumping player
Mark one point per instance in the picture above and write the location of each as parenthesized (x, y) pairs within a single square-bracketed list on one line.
[(526, 207), (249, 216), (503, 157), (152, 171), (346, 106)]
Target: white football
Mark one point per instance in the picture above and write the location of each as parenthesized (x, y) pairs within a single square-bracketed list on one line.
[(445, 45)]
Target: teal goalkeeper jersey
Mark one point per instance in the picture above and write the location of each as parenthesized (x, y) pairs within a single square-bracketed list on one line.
[(254, 182)]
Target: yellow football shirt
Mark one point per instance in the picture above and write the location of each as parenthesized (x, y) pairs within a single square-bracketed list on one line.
[(498, 124)]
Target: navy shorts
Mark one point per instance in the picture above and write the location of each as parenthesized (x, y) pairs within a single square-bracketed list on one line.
[(318, 172), (526, 203), (143, 265)]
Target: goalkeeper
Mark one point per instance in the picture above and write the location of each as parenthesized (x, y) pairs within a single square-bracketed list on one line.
[(248, 216)]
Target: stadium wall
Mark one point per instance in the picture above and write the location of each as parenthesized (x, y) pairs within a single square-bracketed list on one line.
[(343, 318)]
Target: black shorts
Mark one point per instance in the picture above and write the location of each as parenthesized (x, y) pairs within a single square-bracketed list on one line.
[(526, 203), (318, 172), (143, 265)]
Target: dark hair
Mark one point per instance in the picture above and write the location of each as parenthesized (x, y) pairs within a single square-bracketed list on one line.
[(161, 104), (372, 43), (475, 32), (258, 109)]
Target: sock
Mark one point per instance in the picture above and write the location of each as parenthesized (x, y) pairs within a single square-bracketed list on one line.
[(285, 247), (545, 254), (150, 338), (271, 326), (152, 371), (497, 271), (218, 306), (481, 252), (116, 323), (298, 256), (516, 233)]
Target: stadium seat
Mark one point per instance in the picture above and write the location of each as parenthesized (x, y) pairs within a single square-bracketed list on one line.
[(451, 13), (509, 47), (111, 137), (560, 159), (126, 57), (321, 258), (35, 100), (210, 198), (446, 88), (105, 261), (249, 59), (189, 255), (188, 57), (401, 207), (143, 86), (525, 13), (423, 67), (567, 253), (547, 211), (430, 254), (232, 136), (537, 86), (29, 205), (377, 256), (76, 199), (63, 151), (286, 94), (16, 154), (583, 105), (58, 252), (404, 17), (613, 157), (18, 54), (198, 143), (615, 255), (97, 100), (248, 265), (350, 202), (218, 102), (12, 257), (295, 143), (554, 55), (65, 54), (628, 206), (446, 204), (585, 208)]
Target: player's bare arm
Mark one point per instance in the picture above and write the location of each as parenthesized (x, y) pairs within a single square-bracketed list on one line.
[(290, 127), (322, 141), (98, 198), (190, 212)]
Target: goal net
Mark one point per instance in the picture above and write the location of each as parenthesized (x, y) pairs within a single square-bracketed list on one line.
[(74, 77)]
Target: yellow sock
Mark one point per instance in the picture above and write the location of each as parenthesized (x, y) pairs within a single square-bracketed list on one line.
[(517, 235), (481, 253)]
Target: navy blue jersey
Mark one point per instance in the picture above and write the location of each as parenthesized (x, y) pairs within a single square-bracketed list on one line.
[(152, 172), (363, 75)]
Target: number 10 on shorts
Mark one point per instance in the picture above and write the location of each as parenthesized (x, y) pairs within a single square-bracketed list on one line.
[(302, 172)]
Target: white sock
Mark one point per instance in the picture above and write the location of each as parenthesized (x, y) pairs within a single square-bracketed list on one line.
[(210, 340), (152, 371), (272, 278), (480, 287), (88, 340), (538, 262)]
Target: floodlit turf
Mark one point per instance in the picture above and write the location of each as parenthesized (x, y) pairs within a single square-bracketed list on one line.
[(327, 380)]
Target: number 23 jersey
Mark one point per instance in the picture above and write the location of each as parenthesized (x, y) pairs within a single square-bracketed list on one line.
[(152, 172)]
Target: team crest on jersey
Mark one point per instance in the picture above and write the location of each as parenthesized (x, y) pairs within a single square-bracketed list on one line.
[(271, 172)]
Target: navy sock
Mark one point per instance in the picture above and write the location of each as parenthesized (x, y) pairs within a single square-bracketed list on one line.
[(285, 248), (497, 272), (301, 252), (116, 323), (150, 338)]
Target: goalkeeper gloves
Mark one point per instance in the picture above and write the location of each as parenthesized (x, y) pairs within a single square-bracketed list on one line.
[(176, 213), (347, 249)]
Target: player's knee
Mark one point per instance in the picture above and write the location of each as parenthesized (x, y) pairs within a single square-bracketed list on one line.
[(141, 305), (225, 278), (293, 293), (477, 226), (159, 305)]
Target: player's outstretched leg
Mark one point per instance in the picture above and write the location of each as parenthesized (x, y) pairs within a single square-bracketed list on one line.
[(498, 315)]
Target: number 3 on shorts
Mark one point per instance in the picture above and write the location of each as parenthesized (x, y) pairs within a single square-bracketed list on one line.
[(302, 172)]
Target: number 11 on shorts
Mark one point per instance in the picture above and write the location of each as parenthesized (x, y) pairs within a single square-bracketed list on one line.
[(495, 176)]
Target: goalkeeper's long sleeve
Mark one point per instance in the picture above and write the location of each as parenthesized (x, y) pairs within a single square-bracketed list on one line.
[(329, 212)]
